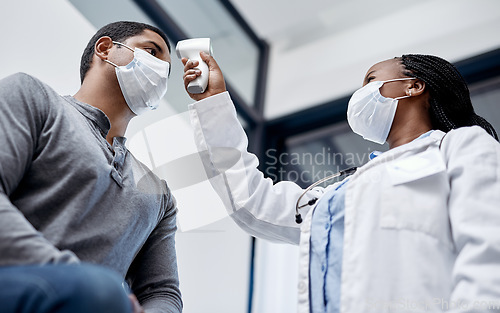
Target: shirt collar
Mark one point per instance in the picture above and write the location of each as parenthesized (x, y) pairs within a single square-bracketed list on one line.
[(376, 153)]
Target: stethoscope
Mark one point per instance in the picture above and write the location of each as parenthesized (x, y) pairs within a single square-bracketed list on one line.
[(346, 172)]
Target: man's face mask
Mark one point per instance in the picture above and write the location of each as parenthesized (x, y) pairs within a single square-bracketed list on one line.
[(143, 81), (370, 114)]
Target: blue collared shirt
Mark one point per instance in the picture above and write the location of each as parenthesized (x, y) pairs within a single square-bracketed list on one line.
[(327, 239)]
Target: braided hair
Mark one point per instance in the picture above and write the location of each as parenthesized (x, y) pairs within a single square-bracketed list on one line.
[(449, 98)]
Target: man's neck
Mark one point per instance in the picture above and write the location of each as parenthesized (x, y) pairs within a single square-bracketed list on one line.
[(110, 100)]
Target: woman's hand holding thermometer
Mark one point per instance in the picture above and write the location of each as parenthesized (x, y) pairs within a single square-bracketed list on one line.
[(202, 76)]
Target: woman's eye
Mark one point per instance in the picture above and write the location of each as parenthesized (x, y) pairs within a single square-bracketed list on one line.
[(369, 79), (151, 51)]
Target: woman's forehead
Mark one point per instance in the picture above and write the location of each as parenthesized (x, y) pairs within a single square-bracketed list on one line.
[(388, 66)]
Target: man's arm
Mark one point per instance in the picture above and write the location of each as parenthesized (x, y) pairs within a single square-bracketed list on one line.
[(23, 112), (153, 274)]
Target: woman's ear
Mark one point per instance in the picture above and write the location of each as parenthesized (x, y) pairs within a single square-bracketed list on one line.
[(102, 47), (416, 88)]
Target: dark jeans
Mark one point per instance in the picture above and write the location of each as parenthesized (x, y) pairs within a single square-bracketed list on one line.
[(61, 289)]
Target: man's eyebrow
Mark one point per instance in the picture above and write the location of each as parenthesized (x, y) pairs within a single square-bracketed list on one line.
[(368, 75), (156, 45)]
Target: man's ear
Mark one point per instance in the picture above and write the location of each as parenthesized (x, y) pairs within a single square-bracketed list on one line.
[(102, 47), (416, 88)]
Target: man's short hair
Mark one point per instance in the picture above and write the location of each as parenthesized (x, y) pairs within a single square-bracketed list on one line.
[(117, 31)]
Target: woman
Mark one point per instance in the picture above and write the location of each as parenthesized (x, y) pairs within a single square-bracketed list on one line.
[(415, 229)]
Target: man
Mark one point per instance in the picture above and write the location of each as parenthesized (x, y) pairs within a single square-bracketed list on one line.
[(72, 194)]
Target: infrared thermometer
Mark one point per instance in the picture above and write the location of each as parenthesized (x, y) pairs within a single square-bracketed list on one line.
[(190, 49)]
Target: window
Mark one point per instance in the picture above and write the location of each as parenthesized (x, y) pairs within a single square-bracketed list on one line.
[(235, 51), (312, 156), (485, 97)]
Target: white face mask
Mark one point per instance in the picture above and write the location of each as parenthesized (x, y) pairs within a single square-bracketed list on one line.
[(370, 114), (143, 81)]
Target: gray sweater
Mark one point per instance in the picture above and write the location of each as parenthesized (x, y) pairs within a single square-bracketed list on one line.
[(67, 195)]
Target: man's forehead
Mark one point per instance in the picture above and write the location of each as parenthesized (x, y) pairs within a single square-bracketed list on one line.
[(149, 35)]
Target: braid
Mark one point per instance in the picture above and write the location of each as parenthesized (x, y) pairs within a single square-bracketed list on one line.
[(449, 98)]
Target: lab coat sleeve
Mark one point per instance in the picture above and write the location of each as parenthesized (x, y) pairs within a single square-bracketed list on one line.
[(473, 164), (258, 206)]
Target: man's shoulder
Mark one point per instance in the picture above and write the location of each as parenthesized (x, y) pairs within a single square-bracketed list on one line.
[(148, 182), (20, 79), (146, 174), (25, 84)]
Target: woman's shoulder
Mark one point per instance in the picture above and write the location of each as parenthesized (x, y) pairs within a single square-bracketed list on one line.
[(470, 137), (469, 132)]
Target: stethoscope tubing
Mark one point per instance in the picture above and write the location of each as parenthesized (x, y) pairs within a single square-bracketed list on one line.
[(298, 217)]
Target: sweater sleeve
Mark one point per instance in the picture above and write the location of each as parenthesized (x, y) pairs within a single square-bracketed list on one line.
[(153, 275), (474, 208), (24, 108)]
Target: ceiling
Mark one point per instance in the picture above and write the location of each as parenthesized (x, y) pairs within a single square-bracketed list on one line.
[(320, 49), (295, 23)]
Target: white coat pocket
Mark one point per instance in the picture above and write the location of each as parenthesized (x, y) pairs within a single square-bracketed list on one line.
[(416, 198)]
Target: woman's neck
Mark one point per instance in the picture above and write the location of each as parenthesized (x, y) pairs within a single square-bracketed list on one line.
[(409, 127)]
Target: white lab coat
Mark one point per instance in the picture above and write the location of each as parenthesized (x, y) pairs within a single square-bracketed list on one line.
[(422, 222)]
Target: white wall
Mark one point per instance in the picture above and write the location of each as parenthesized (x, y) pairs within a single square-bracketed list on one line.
[(45, 39), (275, 278)]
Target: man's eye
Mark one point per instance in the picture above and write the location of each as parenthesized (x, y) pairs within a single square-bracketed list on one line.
[(152, 51)]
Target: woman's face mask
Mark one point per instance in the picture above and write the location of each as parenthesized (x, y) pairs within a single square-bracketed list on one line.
[(143, 81), (370, 114)]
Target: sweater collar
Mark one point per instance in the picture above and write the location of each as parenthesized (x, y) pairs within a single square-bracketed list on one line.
[(97, 116)]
